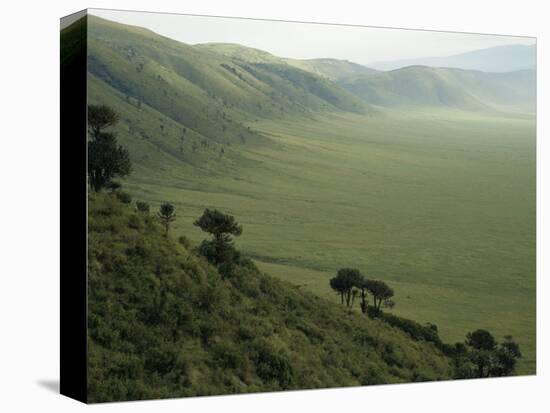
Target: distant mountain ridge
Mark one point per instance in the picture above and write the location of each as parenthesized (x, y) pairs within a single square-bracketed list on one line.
[(506, 58), (422, 86), (197, 103)]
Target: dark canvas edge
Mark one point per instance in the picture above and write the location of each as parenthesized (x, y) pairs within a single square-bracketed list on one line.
[(73, 212)]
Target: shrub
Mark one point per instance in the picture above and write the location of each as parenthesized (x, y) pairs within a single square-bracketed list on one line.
[(415, 330), (142, 206), (272, 366), (134, 222), (124, 197), (183, 240)]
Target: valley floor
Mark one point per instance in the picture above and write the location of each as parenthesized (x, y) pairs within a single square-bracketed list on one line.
[(441, 205)]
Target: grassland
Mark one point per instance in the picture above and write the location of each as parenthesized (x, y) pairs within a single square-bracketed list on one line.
[(439, 202), (440, 205)]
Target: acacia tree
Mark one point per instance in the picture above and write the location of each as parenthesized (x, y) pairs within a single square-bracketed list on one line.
[(345, 282), (381, 294), (106, 158), (167, 215), (506, 356), (363, 289), (338, 285), (481, 340), (482, 346), (492, 359), (221, 226)]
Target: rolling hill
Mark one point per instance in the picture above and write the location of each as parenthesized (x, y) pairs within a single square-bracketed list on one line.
[(438, 201), (195, 85), (164, 323), (452, 88), (507, 58), (333, 69)]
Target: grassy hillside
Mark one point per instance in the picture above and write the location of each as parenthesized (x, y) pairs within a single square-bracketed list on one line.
[(440, 204), (438, 198), (453, 88), (333, 69), (163, 323), (200, 88)]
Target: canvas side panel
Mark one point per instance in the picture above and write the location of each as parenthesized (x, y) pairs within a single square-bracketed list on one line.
[(73, 54)]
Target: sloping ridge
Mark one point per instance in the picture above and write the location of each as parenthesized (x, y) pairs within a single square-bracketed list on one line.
[(163, 323), (333, 69), (505, 58), (195, 79), (453, 88)]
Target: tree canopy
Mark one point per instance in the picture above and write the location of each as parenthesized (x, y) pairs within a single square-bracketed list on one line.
[(167, 215), (106, 158), (381, 294), (481, 340), (220, 225), (344, 282), (100, 117)]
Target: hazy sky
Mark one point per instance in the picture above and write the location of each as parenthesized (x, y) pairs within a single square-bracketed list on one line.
[(305, 41)]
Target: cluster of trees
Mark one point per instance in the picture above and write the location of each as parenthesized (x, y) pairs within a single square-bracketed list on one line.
[(481, 356), (350, 283)]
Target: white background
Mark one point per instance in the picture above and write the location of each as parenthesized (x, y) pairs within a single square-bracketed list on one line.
[(29, 206)]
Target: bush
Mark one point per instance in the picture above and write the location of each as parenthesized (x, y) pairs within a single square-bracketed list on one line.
[(124, 197), (272, 366), (142, 206), (415, 330), (134, 222), (217, 252), (226, 269), (227, 356), (183, 240)]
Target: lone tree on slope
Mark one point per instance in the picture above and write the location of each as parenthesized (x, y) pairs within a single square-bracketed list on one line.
[(106, 158), (222, 227), (167, 215)]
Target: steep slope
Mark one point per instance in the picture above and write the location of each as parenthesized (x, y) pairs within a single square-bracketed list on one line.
[(508, 58), (163, 323), (191, 109), (194, 85), (455, 88)]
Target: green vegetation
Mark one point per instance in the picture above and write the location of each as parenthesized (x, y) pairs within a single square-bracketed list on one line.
[(488, 359), (479, 358), (437, 199), (106, 159), (332, 69), (164, 323), (167, 215), (219, 251)]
